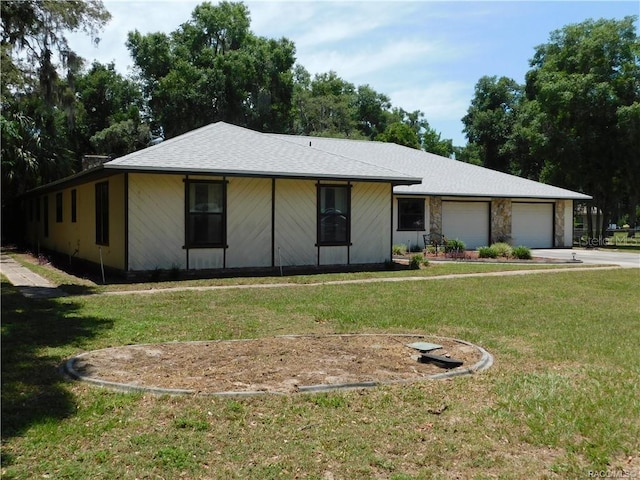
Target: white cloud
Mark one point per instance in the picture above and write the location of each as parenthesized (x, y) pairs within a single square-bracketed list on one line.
[(356, 65), (444, 103)]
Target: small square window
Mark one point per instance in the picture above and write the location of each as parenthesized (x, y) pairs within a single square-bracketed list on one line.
[(411, 214)]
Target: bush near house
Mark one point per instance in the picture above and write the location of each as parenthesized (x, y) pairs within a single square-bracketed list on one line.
[(455, 246), (487, 252), (521, 252), (503, 249), (416, 261), (399, 249)]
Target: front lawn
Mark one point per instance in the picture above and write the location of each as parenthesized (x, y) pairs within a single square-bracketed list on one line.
[(561, 400)]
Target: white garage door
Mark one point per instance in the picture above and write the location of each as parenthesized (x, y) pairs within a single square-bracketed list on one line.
[(532, 224), (467, 221)]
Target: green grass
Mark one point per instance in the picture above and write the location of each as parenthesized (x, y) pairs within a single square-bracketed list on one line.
[(561, 399)]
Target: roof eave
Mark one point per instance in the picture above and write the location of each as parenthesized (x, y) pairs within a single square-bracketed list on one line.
[(262, 174)]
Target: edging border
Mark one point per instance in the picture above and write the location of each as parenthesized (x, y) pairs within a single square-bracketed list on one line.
[(69, 371)]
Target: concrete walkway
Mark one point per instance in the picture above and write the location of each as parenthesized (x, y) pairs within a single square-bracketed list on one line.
[(30, 284)]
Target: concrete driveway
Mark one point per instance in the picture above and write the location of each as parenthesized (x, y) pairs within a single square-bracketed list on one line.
[(626, 259)]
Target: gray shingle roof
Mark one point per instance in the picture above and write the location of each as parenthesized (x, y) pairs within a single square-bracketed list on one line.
[(225, 149), (440, 175)]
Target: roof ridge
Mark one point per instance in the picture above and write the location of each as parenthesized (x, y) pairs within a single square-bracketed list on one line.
[(282, 136)]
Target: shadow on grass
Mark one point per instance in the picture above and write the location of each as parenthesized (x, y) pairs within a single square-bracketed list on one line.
[(33, 391)]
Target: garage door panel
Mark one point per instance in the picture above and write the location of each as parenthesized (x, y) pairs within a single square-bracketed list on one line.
[(467, 221), (532, 224)]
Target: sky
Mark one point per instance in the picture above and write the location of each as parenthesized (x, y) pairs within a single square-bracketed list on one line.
[(424, 55)]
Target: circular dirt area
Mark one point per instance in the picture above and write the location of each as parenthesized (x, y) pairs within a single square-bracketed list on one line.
[(284, 364)]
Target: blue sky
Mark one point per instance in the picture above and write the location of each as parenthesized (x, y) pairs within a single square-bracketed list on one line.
[(425, 55)]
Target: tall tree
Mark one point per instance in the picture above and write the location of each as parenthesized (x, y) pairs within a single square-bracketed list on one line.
[(110, 104), (214, 68), (38, 97), (582, 93), (324, 105), (490, 118)]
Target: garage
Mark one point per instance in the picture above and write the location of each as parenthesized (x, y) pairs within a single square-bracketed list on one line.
[(532, 224), (466, 221)]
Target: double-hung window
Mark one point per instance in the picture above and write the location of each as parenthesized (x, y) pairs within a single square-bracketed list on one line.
[(411, 214), (102, 213), (334, 214), (206, 210)]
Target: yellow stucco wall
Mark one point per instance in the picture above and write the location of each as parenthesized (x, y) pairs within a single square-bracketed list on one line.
[(78, 239)]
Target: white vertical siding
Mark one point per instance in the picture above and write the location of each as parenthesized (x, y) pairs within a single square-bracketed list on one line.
[(156, 222), (206, 258), (370, 228), (249, 222), (295, 222), (334, 255)]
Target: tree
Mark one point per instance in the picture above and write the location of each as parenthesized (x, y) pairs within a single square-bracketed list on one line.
[(214, 68), (490, 118), (372, 111), (401, 134), (38, 97), (581, 112), (324, 105), (107, 99)]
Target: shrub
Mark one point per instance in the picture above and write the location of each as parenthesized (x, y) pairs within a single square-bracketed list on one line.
[(503, 249), (487, 252), (454, 245), (431, 249), (416, 261), (521, 252), (399, 249)]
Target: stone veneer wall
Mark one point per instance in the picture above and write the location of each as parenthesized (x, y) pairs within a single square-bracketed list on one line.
[(500, 220), (435, 215), (558, 220)]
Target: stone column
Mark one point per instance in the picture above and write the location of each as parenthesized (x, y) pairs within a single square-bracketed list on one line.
[(435, 215), (500, 220), (559, 223)]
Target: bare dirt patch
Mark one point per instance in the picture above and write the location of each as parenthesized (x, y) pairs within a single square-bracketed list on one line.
[(277, 364)]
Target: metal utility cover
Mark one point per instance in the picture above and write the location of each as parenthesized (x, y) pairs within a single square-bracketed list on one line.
[(424, 346)]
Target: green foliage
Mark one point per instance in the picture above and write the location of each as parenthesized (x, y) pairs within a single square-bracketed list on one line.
[(580, 114), (415, 261), (521, 252), (503, 249), (121, 138), (455, 245), (214, 68), (487, 252), (39, 107), (401, 134), (564, 388), (399, 249), (490, 118)]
